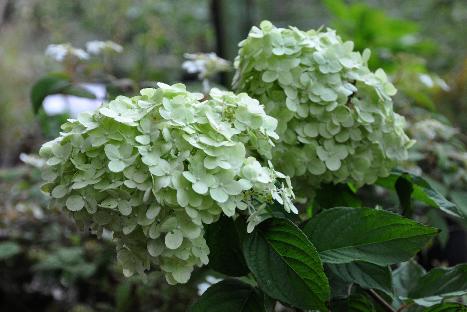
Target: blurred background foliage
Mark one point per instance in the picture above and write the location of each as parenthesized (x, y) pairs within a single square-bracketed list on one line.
[(46, 264)]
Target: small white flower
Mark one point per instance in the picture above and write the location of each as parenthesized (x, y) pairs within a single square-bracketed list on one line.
[(96, 47), (60, 52), (205, 64)]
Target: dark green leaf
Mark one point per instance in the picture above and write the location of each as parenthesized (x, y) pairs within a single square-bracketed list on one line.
[(344, 235), (123, 296), (78, 91), (460, 199), (355, 303), (406, 276), (226, 258), (422, 191), (55, 83), (269, 303), (438, 284), (51, 84), (336, 195), (340, 289), (8, 250), (437, 219), (404, 191), (230, 296), (364, 274), (277, 211), (286, 265)]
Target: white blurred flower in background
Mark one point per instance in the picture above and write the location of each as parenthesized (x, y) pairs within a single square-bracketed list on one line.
[(60, 52), (96, 47), (206, 65)]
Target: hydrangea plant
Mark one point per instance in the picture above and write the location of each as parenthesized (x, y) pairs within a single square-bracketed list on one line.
[(174, 177), (336, 118), (154, 168)]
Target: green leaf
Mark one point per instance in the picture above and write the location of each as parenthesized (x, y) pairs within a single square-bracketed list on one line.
[(439, 284), (51, 84), (55, 83), (336, 195), (225, 251), (447, 307), (78, 91), (344, 234), (460, 199), (355, 303), (340, 289), (230, 296), (422, 191), (437, 219), (8, 250), (286, 265), (364, 274), (123, 296), (404, 191), (406, 276)]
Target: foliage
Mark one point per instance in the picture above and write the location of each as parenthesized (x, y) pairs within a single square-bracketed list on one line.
[(360, 21), (335, 115), (440, 153)]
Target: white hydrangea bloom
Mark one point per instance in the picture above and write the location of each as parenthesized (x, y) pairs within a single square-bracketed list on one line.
[(336, 118), (206, 65), (96, 47), (60, 52), (155, 168)]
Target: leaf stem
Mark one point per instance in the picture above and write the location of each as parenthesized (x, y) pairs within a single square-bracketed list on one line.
[(404, 306), (381, 300)]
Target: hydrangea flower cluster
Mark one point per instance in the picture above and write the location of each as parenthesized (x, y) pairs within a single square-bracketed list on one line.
[(336, 118), (154, 168)]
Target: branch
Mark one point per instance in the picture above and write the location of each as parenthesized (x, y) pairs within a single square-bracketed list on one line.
[(380, 300)]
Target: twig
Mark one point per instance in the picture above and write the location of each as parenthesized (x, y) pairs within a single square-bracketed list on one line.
[(404, 306), (381, 300)]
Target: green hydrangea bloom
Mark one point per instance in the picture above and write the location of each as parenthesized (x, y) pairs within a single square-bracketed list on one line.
[(336, 118), (154, 168)]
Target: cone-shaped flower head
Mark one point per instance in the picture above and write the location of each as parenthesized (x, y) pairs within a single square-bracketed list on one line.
[(154, 168), (336, 118)]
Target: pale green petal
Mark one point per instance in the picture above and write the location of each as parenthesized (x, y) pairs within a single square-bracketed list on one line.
[(59, 191), (218, 194), (174, 239), (116, 165), (75, 203), (200, 187)]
